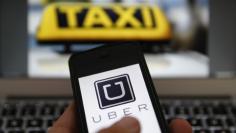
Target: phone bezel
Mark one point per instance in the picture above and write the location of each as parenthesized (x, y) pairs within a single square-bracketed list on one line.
[(108, 58)]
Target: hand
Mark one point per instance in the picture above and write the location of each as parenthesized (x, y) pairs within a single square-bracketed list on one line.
[(67, 124)]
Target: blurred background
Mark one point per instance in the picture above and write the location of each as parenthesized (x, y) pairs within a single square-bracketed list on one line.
[(185, 55)]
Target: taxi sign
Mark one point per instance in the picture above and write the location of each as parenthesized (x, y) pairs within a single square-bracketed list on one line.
[(80, 22)]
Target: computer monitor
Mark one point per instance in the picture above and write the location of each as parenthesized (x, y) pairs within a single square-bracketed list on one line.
[(17, 46)]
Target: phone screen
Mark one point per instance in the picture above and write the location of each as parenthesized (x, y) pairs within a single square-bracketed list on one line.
[(108, 96)]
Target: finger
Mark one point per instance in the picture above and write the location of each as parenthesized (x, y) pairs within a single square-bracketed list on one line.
[(67, 122), (180, 126), (125, 125)]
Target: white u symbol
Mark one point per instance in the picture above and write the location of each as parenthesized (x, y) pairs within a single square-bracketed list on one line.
[(116, 97)]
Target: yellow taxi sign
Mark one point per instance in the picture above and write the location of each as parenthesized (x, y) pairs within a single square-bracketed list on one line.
[(76, 22)]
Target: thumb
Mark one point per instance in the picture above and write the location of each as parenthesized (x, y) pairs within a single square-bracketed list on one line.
[(125, 125), (180, 126)]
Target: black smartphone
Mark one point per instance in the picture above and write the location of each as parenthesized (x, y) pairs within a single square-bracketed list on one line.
[(111, 82)]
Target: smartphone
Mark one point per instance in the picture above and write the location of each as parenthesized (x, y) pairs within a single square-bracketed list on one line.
[(111, 82)]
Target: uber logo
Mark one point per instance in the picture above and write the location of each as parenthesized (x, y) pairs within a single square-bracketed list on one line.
[(114, 91)]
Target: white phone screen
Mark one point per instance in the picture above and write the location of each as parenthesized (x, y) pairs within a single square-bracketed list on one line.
[(108, 96)]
